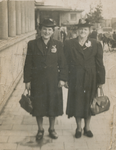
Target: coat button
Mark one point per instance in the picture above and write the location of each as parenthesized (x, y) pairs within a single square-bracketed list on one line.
[(45, 67), (84, 91)]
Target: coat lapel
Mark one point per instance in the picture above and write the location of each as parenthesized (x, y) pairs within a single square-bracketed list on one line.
[(50, 45), (39, 45), (83, 49), (89, 51), (78, 47)]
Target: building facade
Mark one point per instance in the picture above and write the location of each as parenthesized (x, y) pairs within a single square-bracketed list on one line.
[(113, 23), (17, 27), (62, 15)]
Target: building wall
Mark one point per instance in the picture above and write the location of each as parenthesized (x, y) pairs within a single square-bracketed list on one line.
[(17, 27), (11, 63), (66, 17), (108, 23), (114, 23), (59, 17)]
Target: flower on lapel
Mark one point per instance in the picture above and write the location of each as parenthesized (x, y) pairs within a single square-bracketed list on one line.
[(88, 44), (54, 49)]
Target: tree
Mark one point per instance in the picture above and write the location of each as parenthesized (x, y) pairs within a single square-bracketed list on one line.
[(95, 15)]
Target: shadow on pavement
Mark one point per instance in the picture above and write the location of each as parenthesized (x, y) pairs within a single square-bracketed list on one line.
[(31, 142)]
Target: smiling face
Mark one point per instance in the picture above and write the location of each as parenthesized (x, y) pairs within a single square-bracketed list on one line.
[(83, 31), (46, 32)]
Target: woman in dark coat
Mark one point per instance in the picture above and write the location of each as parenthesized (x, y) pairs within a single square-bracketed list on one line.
[(45, 72), (86, 74)]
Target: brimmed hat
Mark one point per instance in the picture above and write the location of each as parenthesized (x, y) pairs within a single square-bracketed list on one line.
[(84, 23), (48, 22)]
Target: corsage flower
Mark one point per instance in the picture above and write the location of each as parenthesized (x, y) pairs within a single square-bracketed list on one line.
[(88, 44), (54, 49)]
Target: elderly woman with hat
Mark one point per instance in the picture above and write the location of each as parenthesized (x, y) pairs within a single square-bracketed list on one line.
[(86, 73), (45, 72)]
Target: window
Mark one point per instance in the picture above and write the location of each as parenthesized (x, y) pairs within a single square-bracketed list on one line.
[(73, 17)]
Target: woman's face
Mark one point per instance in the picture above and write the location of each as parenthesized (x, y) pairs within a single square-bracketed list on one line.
[(46, 32), (83, 32)]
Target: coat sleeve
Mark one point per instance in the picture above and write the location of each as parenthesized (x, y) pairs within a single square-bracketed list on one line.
[(28, 65), (63, 70), (99, 65)]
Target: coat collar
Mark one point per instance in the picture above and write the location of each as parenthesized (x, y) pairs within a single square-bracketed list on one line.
[(77, 48), (39, 45), (80, 48)]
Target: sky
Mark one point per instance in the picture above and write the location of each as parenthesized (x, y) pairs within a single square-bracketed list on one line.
[(109, 6)]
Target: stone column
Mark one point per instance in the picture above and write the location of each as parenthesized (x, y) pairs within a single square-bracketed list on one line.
[(3, 20), (26, 16), (33, 15), (30, 15), (18, 17), (22, 16), (11, 18)]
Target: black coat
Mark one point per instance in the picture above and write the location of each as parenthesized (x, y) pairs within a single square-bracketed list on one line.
[(44, 72), (86, 71)]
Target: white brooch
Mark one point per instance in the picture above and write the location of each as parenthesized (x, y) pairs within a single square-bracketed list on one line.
[(54, 49), (88, 44)]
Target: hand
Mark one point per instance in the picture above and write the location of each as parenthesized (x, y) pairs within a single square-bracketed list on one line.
[(100, 85), (61, 83), (28, 86), (66, 85)]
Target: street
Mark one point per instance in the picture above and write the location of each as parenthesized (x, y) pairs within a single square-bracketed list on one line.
[(18, 128)]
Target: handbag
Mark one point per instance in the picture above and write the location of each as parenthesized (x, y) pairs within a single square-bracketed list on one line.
[(100, 103), (25, 102)]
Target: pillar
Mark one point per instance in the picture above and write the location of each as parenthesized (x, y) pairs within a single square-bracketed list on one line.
[(30, 15), (26, 16), (18, 17), (22, 16), (33, 15), (11, 18), (3, 20)]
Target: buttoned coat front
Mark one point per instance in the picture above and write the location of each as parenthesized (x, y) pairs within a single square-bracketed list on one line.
[(44, 72), (86, 71)]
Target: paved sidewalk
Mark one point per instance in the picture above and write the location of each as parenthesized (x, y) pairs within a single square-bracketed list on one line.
[(18, 128)]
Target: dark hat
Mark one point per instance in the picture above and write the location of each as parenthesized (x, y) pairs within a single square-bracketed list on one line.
[(84, 23), (48, 22)]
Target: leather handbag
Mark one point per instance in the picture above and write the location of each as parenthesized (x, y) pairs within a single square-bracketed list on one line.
[(25, 102), (100, 103)]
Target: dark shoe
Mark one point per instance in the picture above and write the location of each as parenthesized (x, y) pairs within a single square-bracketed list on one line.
[(52, 134), (88, 133), (77, 134), (40, 134)]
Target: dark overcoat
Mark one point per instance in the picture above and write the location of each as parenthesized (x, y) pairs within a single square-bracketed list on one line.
[(86, 71), (44, 72)]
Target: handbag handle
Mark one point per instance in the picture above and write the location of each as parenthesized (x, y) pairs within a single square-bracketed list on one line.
[(101, 92), (28, 91)]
